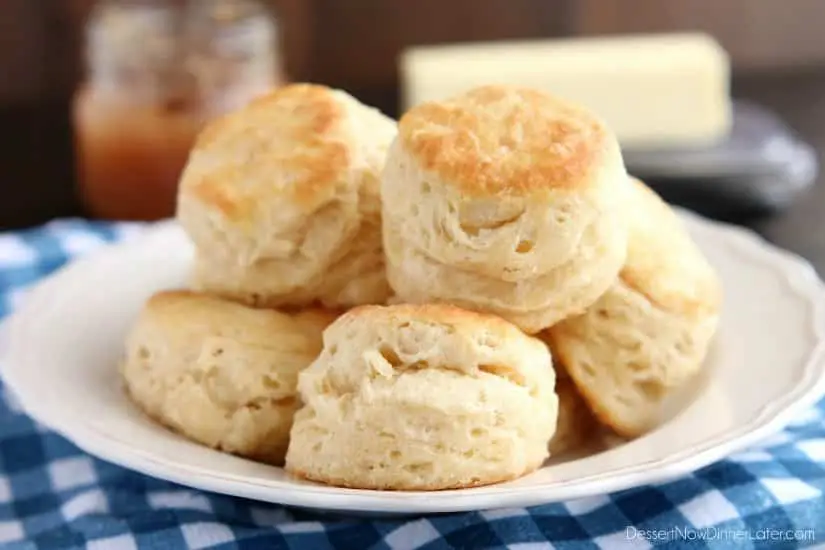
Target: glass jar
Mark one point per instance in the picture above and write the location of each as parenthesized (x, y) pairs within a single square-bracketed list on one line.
[(157, 70)]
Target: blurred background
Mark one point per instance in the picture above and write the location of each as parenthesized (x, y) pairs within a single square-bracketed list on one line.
[(776, 52)]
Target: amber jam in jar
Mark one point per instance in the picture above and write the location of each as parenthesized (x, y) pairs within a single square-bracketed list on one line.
[(156, 72)]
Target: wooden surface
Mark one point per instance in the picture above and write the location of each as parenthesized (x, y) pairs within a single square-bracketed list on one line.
[(758, 34), (355, 43)]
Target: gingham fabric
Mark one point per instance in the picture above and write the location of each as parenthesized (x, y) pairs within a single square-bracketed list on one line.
[(54, 496)]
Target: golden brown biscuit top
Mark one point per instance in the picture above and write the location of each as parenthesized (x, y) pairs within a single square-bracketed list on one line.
[(434, 336), (289, 145), (185, 307), (498, 140), (442, 314), (663, 262)]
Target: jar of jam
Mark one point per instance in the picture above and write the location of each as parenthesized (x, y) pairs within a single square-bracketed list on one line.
[(157, 70)]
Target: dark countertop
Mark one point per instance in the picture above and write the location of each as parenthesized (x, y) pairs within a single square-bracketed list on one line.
[(36, 164), (800, 100)]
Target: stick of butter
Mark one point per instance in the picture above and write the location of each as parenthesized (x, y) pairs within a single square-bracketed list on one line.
[(658, 90)]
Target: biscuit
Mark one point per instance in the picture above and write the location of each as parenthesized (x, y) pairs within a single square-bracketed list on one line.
[(357, 278), (651, 331), (576, 424), (423, 397), (417, 278), (281, 199), (220, 373), (510, 185)]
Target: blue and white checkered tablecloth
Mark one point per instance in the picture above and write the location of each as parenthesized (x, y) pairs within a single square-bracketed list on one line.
[(54, 496)]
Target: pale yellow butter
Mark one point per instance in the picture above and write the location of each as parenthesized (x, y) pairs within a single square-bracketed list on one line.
[(653, 90)]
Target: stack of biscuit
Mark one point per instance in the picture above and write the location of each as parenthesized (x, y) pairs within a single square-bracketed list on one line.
[(435, 304)]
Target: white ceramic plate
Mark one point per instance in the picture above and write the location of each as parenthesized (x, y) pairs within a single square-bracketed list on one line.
[(766, 365)]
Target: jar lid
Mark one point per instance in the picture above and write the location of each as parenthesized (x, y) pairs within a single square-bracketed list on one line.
[(186, 50)]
